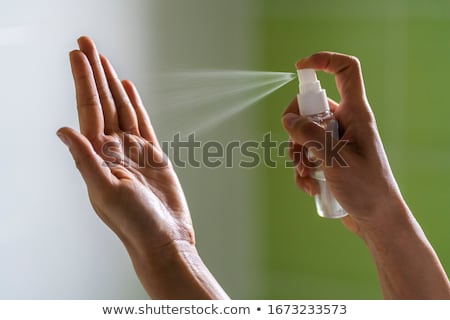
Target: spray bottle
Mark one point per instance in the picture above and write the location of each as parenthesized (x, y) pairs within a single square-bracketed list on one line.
[(313, 103)]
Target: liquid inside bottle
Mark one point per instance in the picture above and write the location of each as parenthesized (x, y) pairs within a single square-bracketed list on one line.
[(326, 204), (313, 103)]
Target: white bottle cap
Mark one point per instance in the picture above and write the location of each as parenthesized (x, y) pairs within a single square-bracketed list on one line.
[(312, 98)]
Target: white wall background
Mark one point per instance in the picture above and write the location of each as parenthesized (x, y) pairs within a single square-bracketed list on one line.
[(52, 245)]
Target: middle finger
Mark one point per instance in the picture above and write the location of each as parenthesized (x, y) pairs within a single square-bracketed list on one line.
[(109, 109)]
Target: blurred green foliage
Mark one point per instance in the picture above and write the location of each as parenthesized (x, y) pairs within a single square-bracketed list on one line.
[(405, 55)]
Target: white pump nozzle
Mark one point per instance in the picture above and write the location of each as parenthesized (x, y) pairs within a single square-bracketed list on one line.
[(306, 78), (312, 98)]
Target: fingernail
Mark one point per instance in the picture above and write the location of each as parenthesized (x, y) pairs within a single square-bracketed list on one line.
[(63, 138), (290, 120)]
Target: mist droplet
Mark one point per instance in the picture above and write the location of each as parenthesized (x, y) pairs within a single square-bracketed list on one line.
[(195, 101)]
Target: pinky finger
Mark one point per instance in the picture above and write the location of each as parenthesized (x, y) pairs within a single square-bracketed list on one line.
[(145, 126)]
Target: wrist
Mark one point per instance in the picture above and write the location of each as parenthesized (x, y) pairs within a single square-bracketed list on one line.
[(177, 254), (176, 271), (160, 269), (388, 220), (408, 267)]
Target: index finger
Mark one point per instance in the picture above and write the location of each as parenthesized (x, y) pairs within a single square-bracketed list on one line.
[(347, 69), (89, 108)]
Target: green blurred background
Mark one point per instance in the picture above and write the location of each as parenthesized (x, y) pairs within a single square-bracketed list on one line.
[(405, 55), (256, 232)]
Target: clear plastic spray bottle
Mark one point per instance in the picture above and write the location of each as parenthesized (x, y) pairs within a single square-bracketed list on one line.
[(313, 103)]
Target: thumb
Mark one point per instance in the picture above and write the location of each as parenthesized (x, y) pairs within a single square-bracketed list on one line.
[(88, 162), (306, 132)]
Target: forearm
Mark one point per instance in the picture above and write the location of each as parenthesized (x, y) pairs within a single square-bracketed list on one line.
[(176, 272), (407, 266)]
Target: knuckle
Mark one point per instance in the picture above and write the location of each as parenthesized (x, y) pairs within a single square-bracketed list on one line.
[(317, 56), (133, 129), (354, 62), (105, 96)]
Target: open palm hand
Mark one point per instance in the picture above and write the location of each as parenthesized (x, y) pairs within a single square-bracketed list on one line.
[(131, 184)]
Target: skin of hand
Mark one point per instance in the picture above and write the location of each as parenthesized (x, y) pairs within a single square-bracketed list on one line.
[(365, 187), (131, 184), (363, 151)]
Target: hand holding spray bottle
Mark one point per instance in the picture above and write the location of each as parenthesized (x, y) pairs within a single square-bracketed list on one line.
[(313, 103)]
